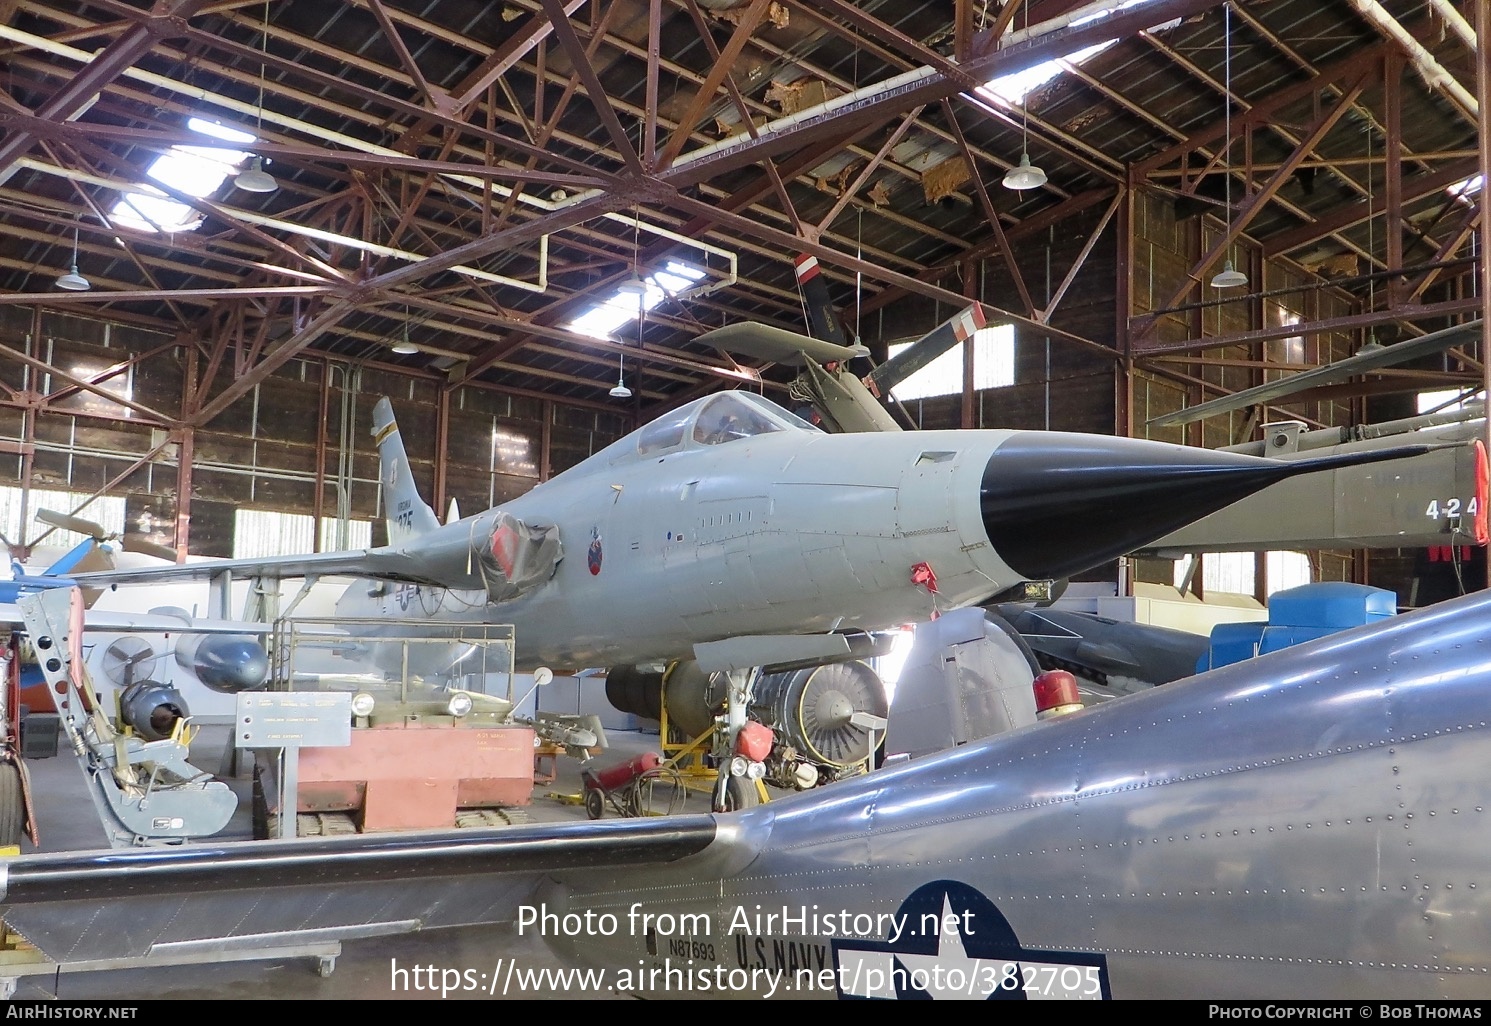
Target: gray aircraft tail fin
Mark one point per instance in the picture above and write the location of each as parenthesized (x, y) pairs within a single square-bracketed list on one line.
[(405, 513)]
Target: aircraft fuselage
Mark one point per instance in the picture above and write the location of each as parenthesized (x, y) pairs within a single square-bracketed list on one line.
[(790, 532)]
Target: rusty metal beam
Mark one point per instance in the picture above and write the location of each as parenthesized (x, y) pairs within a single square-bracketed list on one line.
[(1392, 98), (833, 256), (506, 55), (1355, 213), (868, 170), (926, 85), (1087, 247), (1467, 226), (1029, 228), (1261, 111), (437, 98), (161, 140), (150, 295), (718, 72), (744, 197), (833, 14), (379, 100), (275, 357), (564, 33), (82, 383), (1254, 204), (991, 214), (165, 20), (113, 371), (654, 57)]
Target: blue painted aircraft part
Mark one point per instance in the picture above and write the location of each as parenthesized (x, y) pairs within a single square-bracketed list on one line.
[(1298, 615)]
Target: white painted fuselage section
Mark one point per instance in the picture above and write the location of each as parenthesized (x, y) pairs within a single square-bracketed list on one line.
[(793, 531)]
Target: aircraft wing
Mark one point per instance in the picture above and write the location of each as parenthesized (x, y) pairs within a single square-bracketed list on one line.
[(121, 622), (387, 563), (82, 906)]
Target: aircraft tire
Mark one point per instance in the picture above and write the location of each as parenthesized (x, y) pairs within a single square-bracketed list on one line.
[(12, 805), (741, 793)]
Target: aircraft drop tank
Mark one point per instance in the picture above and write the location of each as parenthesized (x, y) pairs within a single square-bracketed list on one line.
[(1055, 504)]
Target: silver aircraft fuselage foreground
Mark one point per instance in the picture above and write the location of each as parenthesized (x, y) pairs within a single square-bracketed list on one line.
[(729, 517), (1312, 823)]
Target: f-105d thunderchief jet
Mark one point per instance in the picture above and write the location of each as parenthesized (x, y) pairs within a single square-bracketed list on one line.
[(732, 541)]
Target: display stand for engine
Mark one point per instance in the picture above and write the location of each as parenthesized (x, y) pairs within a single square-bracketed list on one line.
[(428, 738)]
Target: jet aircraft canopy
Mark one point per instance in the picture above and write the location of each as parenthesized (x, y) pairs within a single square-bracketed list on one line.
[(714, 420)]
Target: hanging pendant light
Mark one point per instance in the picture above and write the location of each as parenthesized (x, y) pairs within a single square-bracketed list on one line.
[(1024, 175), (1228, 277), (254, 178), (620, 391), (72, 281), (404, 347), (635, 287)]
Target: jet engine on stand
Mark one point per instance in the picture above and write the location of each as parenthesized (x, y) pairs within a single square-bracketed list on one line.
[(817, 714)]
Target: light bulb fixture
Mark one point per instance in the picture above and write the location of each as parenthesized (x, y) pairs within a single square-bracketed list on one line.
[(633, 286), (404, 347), (1228, 277), (72, 281), (620, 391), (255, 178), (1024, 175)]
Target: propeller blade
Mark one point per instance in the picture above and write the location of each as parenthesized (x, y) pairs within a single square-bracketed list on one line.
[(71, 523), (134, 543), (1341, 370)]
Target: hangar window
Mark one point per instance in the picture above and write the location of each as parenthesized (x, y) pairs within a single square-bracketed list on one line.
[(196, 171), (1282, 350), (106, 511), (1444, 401), (1235, 571), (993, 366), (258, 533)]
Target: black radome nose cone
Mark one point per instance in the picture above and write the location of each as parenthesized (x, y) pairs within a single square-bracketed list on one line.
[(1056, 504)]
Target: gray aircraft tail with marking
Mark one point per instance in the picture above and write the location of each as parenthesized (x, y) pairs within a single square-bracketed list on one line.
[(407, 515)]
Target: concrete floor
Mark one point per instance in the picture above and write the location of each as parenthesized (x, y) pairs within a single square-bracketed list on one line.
[(363, 970)]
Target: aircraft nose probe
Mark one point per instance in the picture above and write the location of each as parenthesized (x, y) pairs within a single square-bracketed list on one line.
[(1054, 504)]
